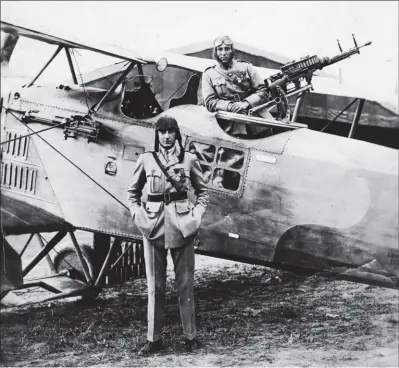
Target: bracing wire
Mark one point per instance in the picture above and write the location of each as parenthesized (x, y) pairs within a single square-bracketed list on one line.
[(4, 109), (30, 134), (81, 78), (72, 163), (106, 77)]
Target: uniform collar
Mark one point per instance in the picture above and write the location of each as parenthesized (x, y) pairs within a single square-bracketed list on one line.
[(232, 62), (169, 151), (173, 154)]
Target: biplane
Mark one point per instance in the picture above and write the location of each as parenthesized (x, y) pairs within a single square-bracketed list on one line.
[(296, 200)]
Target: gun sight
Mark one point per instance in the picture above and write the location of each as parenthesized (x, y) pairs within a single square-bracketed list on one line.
[(339, 46)]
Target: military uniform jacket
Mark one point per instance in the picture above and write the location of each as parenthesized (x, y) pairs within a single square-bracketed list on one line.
[(240, 82), (173, 224)]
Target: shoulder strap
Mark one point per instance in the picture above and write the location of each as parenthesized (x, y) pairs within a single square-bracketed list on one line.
[(209, 67), (223, 74), (168, 177)]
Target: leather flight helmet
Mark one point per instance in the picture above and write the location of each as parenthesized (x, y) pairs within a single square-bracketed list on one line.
[(223, 40), (226, 40), (166, 122)]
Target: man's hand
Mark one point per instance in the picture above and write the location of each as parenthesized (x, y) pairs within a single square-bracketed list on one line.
[(238, 106), (134, 209)]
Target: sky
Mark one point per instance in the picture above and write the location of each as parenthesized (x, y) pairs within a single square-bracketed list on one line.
[(292, 29)]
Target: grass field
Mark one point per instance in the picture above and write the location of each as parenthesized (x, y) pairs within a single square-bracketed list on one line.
[(246, 316)]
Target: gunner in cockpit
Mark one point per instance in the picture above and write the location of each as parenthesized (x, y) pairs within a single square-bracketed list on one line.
[(233, 85)]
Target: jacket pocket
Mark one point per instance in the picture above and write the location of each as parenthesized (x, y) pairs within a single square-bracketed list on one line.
[(188, 220), (154, 180), (148, 217), (152, 209), (220, 87), (183, 206)]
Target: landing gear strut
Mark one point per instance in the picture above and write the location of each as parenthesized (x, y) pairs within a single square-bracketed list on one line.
[(80, 269)]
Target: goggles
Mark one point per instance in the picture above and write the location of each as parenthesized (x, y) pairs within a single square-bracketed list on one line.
[(223, 40)]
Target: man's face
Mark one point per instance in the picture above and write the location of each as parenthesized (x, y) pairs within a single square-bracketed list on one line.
[(167, 138), (224, 53)]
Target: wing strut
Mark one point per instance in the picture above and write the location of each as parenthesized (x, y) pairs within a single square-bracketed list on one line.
[(346, 108), (97, 106), (356, 118), (59, 48), (68, 54), (50, 245)]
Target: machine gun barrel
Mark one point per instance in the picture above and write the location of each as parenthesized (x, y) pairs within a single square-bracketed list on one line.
[(288, 82), (347, 54), (305, 67)]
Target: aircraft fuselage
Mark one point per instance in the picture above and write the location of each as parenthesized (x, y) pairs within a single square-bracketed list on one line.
[(298, 199)]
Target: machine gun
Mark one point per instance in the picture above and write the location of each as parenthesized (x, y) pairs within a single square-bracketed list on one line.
[(296, 78), (74, 126)]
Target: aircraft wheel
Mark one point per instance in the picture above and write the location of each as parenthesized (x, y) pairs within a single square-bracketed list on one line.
[(67, 260)]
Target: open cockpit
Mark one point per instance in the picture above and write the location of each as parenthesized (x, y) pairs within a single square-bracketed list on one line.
[(146, 92), (138, 101), (137, 88)]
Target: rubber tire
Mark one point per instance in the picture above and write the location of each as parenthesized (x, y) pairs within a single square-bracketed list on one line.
[(67, 252)]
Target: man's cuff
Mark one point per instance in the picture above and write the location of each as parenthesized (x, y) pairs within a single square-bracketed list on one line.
[(253, 100), (222, 105), (201, 209), (134, 208)]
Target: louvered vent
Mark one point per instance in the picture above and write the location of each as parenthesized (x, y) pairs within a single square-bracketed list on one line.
[(21, 178), (16, 146)]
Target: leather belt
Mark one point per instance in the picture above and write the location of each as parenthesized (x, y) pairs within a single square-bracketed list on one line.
[(167, 197)]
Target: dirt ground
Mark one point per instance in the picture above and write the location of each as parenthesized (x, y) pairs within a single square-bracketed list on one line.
[(246, 316)]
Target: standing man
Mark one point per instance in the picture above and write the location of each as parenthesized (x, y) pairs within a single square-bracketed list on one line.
[(168, 220), (234, 86)]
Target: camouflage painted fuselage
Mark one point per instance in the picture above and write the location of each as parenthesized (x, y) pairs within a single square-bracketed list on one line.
[(300, 199)]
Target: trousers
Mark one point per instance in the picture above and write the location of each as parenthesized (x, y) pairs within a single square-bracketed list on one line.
[(156, 264)]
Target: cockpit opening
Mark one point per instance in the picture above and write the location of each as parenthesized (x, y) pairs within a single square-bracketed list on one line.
[(138, 99), (147, 92)]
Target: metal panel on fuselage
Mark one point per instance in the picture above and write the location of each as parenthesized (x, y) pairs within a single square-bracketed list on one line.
[(343, 198), (83, 184), (246, 223), (320, 202), (87, 198), (24, 180)]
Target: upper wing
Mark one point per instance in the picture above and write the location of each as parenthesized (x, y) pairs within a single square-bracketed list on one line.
[(199, 64), (322, 84), (188, 62), (68, 40)]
